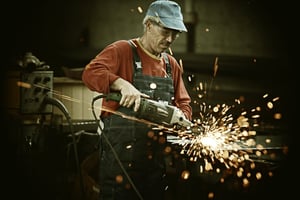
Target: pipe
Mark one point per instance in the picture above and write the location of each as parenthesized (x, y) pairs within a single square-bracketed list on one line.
[(190, 19)]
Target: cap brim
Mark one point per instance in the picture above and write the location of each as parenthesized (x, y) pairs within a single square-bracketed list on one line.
[(173, 24)]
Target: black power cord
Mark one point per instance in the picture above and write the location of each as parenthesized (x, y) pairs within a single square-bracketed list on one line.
[(111, 147), (64, 110)]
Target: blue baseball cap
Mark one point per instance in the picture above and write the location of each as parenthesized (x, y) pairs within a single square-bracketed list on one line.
[(169, 13)]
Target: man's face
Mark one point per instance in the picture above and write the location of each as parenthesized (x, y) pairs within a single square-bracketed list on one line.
[(160, 37)]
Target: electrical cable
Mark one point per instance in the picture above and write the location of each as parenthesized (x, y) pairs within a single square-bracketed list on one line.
[(112, 148), (64, 110)]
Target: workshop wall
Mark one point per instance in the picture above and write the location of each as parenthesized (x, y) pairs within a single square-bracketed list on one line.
[(72, 32)]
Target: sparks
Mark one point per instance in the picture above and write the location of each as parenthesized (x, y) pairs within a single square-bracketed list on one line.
[(227, 137)]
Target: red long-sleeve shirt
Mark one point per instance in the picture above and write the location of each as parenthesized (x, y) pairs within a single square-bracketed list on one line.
[(116, 61)]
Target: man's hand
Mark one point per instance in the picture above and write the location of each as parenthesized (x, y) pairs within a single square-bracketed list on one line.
[(130, 95)]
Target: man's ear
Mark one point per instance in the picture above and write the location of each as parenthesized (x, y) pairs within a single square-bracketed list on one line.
[(148, 24)]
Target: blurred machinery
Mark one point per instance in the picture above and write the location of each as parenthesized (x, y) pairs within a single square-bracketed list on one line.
[(45, 144)]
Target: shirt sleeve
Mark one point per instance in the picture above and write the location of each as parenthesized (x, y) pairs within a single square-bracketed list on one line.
[(182, 98), (106, 67)]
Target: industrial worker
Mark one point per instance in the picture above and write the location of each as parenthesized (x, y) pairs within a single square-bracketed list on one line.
[(132, 164)]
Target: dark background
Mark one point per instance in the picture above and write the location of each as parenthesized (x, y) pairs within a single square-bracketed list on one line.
[(30, 26)]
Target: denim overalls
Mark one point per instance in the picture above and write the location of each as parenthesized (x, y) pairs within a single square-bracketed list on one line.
[(140, 149)]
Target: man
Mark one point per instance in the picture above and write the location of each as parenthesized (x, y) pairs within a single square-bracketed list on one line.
[(132, 164)]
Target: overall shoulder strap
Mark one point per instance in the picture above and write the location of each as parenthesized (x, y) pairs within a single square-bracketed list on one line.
[(168, 66), (137, 65)]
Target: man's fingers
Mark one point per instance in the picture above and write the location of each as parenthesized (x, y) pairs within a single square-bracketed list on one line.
[(137, 103), (122, 101), (145, 95)]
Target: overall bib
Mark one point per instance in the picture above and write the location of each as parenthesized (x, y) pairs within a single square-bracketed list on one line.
[(139, 148)]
